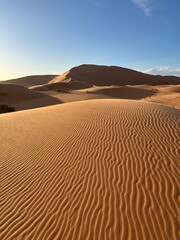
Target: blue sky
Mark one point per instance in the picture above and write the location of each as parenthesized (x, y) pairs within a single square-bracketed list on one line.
[(51, 36)]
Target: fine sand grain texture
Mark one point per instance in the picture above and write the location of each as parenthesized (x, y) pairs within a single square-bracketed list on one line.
[(99, 169)]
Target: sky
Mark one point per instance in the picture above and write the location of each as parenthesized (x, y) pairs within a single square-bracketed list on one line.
[(52, 36)]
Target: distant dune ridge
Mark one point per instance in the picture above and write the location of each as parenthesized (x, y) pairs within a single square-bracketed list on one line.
[(87, 82), (100, 169), (111, 75), (88, 75), (31, 80)]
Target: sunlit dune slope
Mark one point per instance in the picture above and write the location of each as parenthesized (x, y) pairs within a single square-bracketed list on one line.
[(100, 169), (165, 94)]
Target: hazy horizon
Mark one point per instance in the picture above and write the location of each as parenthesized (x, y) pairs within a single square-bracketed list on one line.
[(50, 37)]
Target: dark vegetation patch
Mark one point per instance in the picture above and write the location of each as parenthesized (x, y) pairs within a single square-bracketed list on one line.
[(63, 90), (4, 108)]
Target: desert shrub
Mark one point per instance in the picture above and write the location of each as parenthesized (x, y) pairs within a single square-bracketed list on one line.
[(4, 108), (63, 90)]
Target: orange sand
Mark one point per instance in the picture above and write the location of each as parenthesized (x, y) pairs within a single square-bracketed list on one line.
[(100, 169)]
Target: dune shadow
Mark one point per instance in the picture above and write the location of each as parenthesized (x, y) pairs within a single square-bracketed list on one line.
[(124, 92), (26, 99), (42, 100)]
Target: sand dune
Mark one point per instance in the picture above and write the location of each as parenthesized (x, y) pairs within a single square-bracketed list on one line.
[(71, 85), (88, 75), (111, 75), (101, 92), (23, 98), (169, 99), (169, 88), (29, 81), (89, 79), (100, 169), (87, 82), (121, 92), (165, 94)]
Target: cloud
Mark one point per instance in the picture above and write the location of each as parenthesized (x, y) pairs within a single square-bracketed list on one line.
[(145, 5), (163, 70)]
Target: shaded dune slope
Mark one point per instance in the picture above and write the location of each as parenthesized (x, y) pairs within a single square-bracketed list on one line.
[(90, 170), (71, 85), (122, 92), (23, 98), (29, 81)]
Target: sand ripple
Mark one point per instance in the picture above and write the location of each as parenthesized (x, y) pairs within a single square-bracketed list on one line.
[(101, 169)]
